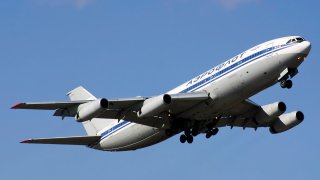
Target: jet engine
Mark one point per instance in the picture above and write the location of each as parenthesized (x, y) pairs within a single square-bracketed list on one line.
[(270, 112), (91, 109), (286, 122), (154, 105)]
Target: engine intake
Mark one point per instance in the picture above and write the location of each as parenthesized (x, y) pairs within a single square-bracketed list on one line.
[(270, 112), (91, 109), (286, 122), (154, 105)]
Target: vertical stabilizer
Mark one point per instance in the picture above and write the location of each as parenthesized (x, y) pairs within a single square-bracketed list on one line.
[(90, 128), (95, 125), (80, 93)]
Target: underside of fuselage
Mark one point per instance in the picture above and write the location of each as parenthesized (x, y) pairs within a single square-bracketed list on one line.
[(133, 136)]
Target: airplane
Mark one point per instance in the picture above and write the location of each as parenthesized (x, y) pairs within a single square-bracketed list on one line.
[(214, 99)]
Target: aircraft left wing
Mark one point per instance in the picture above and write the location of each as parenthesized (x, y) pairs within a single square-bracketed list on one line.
[(142, 110), (151, 111), (74, 140), (48, 105)]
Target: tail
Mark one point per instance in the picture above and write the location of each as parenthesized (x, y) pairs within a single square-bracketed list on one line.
[(95, 125)]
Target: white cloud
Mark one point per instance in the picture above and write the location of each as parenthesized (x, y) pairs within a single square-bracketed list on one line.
[(81, 3), (226, 4), (233, 4), (78, 4)]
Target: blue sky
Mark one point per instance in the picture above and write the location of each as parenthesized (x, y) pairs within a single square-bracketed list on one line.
[(130, 48)]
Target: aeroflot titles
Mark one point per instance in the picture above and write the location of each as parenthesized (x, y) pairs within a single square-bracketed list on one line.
[(216, 68), (227, 63)]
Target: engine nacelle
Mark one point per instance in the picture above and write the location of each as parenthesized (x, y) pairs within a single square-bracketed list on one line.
[(286, 122), (154, 105), (270, 112), (91, 109)]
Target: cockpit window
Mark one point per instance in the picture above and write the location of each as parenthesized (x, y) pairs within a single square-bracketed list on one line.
[(299, 39), (295, 40)]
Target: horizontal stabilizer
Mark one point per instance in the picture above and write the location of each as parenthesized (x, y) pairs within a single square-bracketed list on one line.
[(75, 140)]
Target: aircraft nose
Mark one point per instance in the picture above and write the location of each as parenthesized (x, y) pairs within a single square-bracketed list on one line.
[(306, 47)]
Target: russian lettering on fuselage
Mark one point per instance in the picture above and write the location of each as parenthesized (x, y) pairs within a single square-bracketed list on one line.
[(216, 69)]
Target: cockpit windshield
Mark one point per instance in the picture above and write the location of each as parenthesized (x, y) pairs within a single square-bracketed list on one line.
[(296, 40), (300, 39)]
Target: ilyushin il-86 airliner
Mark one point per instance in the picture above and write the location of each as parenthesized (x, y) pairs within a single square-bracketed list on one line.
[(212, 100)]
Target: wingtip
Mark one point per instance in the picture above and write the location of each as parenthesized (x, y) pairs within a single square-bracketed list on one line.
[(26, 141), (17, 105)]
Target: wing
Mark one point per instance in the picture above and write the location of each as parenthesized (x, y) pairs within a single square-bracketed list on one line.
[(179, 103), (126, 108), (240, 115), (48, 105), (75, 140), (69, 108)]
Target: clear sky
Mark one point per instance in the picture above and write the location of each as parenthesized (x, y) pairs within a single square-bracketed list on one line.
[(130, 48)]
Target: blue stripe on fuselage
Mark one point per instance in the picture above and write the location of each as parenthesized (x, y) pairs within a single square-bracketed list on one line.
[(114, 129)]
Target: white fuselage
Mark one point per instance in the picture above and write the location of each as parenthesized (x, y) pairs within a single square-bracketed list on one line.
[(230, 82)]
